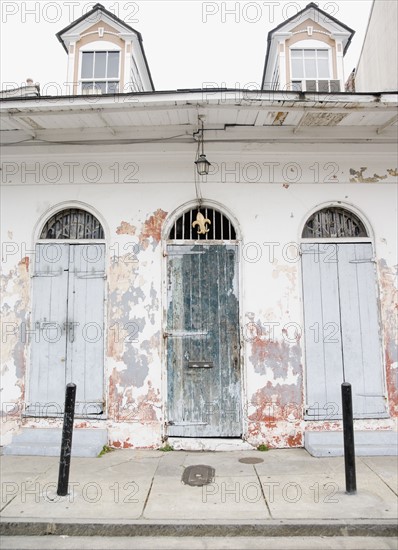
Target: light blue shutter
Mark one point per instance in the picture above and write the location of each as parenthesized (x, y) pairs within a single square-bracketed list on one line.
[(85, 338), (324, 362), (342, 330), (360, 329), (48, 341)]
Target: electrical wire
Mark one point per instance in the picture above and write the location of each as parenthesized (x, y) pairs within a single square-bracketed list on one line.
[(91, 142)]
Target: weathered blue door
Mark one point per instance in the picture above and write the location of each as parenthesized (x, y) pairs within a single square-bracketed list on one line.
[(203, 347), (342, 329), (68, 321)]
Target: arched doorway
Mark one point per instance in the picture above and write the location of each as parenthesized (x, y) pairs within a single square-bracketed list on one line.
[(341, 319), (203, 345), (67, 336)]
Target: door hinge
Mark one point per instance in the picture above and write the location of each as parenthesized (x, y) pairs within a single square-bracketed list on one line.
[(171, 423), (90, 275), (184, 333), (48, 273), (363, 261)]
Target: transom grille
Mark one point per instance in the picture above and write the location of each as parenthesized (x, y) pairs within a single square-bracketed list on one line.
[(334, 223), (218, 227), (72, 223)]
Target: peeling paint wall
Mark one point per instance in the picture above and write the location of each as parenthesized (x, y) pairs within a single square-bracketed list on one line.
[(274, 355), (358, 176), (389, 313), (15, 294), (134, 347), (269, 218)]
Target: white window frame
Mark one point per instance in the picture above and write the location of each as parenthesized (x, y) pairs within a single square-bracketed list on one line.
[(275, 84), (99, 46), (311, 45)]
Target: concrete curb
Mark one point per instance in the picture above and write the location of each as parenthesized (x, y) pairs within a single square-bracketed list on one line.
[(326, 528)]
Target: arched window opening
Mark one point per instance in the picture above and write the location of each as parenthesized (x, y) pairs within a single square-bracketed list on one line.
[(334, 222), (205, 224), (72, 223)]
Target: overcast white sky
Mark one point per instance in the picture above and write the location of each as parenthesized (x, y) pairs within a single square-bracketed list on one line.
[(187, 43)]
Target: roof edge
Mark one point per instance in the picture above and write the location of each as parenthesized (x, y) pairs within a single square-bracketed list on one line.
[(100, 7), (309, 6), (208, 92), (97, 7)]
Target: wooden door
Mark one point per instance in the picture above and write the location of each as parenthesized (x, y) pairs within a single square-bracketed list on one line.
[(203, 347), (342, 330), (68, 319), (85, 334), (48, 342)]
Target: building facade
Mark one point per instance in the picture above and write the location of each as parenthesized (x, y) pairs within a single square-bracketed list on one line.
[(376, 70), (200, 309)]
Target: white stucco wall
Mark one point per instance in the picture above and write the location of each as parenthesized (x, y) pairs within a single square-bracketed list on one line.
[(269, 192), (377, 66)]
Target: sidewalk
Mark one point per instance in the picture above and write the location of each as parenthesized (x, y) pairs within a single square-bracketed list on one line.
[(127, 492)]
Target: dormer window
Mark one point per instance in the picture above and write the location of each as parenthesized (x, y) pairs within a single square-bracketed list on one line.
[(103, 51), (311, 70), (100, 72), (308, 50), (310, 64)]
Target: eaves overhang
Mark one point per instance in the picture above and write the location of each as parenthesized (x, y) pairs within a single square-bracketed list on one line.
[(229, 114)]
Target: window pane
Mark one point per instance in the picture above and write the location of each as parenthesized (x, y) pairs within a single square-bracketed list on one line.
[(297, 68), (323, 86), (323, 68), (323, 54), (309, 53), (310, 85), (100, 64), (113, 87), (87, 85), (113, 64), (296, 86), (335, 85), (310, 68), (100, 87), (296, 53), (87, 64)]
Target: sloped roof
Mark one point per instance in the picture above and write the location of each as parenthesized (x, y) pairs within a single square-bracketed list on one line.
[(298, 16), (100, 7), (97, 7)]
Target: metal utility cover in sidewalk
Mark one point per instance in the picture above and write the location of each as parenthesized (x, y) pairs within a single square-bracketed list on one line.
[(251, 460), (199, 475)]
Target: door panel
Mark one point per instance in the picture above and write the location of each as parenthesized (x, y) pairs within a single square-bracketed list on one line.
[(360, 328), (340, 299), (48, 342), (68, 297), (85, 339), (203, 341), (321, 328)]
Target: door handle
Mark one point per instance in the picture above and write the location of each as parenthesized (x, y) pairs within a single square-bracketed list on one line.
[(70, 331), (47, 325)]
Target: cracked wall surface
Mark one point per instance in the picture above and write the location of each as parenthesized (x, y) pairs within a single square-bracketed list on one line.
[(269, 217)]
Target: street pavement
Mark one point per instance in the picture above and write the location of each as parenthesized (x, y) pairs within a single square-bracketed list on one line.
[(140, 493), (198, 543)]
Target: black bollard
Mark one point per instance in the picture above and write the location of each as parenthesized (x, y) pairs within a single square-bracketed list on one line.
[(349, 447), (66, 445)]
